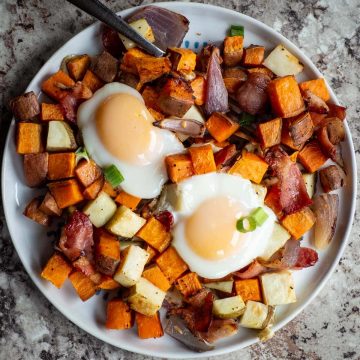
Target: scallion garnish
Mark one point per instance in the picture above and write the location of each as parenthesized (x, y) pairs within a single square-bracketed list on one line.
[(113, 176), (246, 119), (237, 30), (81, 153), (246, 224), (259, 215)]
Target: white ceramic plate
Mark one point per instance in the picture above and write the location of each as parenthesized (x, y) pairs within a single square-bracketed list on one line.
[(207, 24)]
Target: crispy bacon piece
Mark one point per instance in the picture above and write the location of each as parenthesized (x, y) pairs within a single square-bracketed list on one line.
[(315, 103), (77, 236), (337, 111), (224, 155), (253, 270), (84, 265), (216, 98), (293, 194), (252, 95)]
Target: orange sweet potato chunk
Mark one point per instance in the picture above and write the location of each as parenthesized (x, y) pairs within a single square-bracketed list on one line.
[(198, 86), (298, 223), (149, 326), (127, 200), (66, 193), (250, 166), (83, 285), (188, 284), (248, 289), (78, 66), (51, 112), (61, 165), (183, 60), (154, 233), (285, 97), (28, 138), (108, 283), (253, 55), (221, 127), (179, 167), (233, 50), (92, 191), (157, 277), (92, 81), (202, 158), (171, 264), (270, 132), (151, 68), (311, 156), (107, 252), (54, 85), (317, 87), (119, 315), (56, 270), (87, 172)]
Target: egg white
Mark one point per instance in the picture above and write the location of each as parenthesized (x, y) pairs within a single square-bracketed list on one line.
[(191, 193), (142, 181)]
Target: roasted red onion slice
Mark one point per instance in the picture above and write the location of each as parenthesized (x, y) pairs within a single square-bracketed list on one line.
[(216, 99), (169, 28), (325, 207), (182, 126)]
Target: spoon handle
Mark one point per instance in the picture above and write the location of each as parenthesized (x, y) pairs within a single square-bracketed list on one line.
[(99, 11)]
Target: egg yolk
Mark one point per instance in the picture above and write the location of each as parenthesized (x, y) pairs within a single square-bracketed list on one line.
[(211, 230), (124, 126)]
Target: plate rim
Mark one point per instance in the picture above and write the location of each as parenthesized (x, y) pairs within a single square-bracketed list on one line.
[(230, 348)]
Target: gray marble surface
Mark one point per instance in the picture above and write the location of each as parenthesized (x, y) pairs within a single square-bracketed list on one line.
[(329, 33)]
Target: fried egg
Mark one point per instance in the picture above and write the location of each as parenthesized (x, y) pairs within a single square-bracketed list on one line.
[(207, 208), (117, 129)]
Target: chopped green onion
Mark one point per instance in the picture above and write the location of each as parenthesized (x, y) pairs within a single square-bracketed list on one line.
[(81, 153), (113, 176), (246, 119), (246, 224), (237, 30), (259, 215)]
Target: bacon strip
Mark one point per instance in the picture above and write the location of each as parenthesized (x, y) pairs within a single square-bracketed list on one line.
[(253, 270), (77, 236), (293, 194)]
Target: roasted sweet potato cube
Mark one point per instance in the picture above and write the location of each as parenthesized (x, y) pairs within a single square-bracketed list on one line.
[(253, 55), (109, 189), (25, 107), (107, 252), (106, 67), (51, 112), (108, 283), (61, 165), (171, 264), (262, 70), (202, 158), (233, 50), (149, 326), (87, 172), (300, 128), (127, 200), (150, 96), (285, 97), (311, 156), (66, 192), (188, 284), (56, 85), (272, 200), (49, 206), (35, 168), (198, 86), (78, 66), (317, 87), (250, 166), (56, 270), (298, 223), (119, 315), (221, 127), (28, 138), (156, 277), (92, 81), (33, 212), (175, 97), (130, 59), (155, 234), (317, 119), (83, 285), (179, 167), (93, 190), (151, 251), (233, 78), (248, 289), (182, 60), (151, 68), (270, 132)]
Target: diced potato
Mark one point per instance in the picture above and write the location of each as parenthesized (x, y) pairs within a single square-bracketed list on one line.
[(133, 260), (260, 191), (281, 62), (278, 288), (277, 240), (100, 210), (229, 308), (224, 286), (143, 28), (60, 137), (125, 222), (310, 183), (145, 297), (255, 315)]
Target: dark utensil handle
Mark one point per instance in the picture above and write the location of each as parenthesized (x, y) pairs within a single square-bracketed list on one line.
[(99, 11)]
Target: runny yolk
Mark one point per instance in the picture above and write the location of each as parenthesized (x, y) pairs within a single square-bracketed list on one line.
[(211, 230), (124, 126)]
